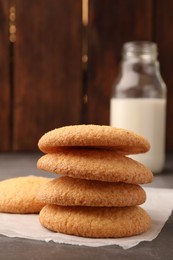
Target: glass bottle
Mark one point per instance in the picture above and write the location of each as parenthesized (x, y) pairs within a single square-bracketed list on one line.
[(138, 100)]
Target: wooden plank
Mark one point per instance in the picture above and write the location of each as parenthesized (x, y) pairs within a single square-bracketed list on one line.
[(47, 78), (163, 27), (4, 78), (111, 23)]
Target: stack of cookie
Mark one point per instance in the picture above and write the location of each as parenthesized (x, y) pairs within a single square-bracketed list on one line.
[(99, 194)]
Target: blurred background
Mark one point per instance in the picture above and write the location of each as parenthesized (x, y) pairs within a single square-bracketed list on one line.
[(59, 59)]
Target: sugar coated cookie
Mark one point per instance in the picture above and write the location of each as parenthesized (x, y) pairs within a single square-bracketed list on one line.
[(95, 222), (18, 195), (95, 164), (68, 191), (122, 140)]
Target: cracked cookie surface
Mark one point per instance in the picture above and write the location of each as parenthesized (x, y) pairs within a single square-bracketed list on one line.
[(68, 191), (18, 195), (95, 164), (95, 222), (103, 136)]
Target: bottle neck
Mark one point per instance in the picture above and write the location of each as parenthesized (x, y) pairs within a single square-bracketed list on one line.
[(140, 57), (143, 52), (139, 75)]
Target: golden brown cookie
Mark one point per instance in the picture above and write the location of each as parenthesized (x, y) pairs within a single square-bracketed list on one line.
[(122, 140), (18, 195), (68, 191), (95, 222), (95, 164)]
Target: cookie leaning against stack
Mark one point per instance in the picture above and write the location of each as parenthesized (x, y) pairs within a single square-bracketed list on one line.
[(18, 195), (100, 192)]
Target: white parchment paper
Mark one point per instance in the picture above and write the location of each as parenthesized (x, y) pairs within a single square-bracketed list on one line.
[(159, 205)]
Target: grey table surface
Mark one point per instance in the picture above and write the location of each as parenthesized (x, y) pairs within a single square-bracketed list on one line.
[(12, 165)]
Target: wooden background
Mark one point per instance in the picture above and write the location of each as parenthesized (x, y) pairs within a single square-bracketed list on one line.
[(43, 83)]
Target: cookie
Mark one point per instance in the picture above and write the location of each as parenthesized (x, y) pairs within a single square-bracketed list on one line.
[(95, 164), (95, 222), (68, 191), (102, 136), (18, 195)]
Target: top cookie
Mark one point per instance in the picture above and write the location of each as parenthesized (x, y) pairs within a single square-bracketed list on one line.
[(122, 140)]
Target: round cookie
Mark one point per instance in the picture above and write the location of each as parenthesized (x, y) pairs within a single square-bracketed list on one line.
[(68, 191), (122, 140), (18, 195), (95, 164), (95, 222)]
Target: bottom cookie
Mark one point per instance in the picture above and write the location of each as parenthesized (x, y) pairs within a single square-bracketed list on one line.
[(95, 222)]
